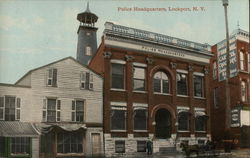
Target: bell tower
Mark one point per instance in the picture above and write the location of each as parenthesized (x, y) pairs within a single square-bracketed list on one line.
[(87, 44)]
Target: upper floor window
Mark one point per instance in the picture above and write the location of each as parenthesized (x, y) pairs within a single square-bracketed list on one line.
[(52, 77), (216, 97), (161, 83), (10, 108), (139, 78), (88, 51), (243, 91), (140, 118), (183, 120), (242, 61), (214, 70), (51, 110), (118, 117), (198, 86), (117, 75), (87, 80), (77, 110), (181, 83), (249, 62)]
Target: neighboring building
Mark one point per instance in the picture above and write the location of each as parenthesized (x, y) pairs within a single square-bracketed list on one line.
[(155, 86), (61, 103), (239, 84), (87, 43)]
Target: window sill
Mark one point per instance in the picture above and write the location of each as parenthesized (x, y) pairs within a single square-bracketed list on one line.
[(199, 97), (116, 89), (166, 94), (118, 130), (140, 92), (141, 131), (52, 86), (86, 89), (184, 96), (200, 132), (183, 131)]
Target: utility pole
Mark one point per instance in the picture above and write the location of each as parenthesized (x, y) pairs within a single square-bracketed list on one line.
[(228, 106)]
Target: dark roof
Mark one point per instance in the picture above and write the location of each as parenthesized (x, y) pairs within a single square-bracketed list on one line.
[(87, 16), (17, 129), (55, 63)]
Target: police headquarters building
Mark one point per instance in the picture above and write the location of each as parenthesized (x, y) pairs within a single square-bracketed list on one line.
[(155, 86)]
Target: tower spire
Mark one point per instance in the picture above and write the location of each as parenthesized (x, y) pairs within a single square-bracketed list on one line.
[(87, 9)]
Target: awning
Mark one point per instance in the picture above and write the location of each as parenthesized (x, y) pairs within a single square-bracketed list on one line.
[(201, 114), (17, 129), (46, 128)]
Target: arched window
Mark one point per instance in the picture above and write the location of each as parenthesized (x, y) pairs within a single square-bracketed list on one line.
[(243, 91), (161, 83), (242, 61), (88, 51)]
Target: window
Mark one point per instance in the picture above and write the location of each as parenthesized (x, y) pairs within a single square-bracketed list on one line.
[(141, 146), (242, 61), (52, 77), (198, 86), (51, 110), (2, 146), (69, 142), (183, 121), (200, 121), (118, 118), (10, 108), (78, 110), (20, 145), (117, 78), (87, 80), (88, 51), (120, 146), (249, 62), (216, 97), (140, 118), (161, 83), (243, 91), (181, 83), (139, 79), (214, 70)]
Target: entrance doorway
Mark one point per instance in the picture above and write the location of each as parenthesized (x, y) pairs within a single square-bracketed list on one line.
[(96, 144), (163, 124)]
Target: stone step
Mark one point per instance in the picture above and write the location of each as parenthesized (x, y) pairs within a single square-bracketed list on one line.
[(167, 150)]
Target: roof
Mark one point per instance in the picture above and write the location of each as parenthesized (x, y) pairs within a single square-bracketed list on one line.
[(29, 72), (17, 129), (87, 16)]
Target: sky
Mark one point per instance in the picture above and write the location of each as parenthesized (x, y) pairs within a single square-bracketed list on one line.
[(34, 33)]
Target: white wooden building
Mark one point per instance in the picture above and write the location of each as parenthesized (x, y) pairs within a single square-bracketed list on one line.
[(63, 103)]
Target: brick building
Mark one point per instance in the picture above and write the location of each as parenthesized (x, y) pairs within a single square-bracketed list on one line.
[(155, 86), (239, 84)]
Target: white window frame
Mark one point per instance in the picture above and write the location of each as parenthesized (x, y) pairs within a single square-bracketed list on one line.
[(144, 77), (83, 80), (118, 106), (185, 72), (115, 61), (74, 110), (45, 109), (203, 84), (199, 112), (52, 78), (243, 83), (3, 108), (181, 109), (161, 84), (16, 108)]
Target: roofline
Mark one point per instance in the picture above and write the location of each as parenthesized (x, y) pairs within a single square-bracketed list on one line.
[(69, 57), (13, 85)]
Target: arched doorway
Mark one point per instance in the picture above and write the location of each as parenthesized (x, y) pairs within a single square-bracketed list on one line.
[(162, 124)]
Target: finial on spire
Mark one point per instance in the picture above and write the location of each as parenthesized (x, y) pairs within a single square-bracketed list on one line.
[(87, 9), (238, 24)]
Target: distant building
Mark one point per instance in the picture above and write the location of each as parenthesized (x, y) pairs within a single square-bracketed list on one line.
[(155, 86), (87, 43), (52, 111), (239, 83)]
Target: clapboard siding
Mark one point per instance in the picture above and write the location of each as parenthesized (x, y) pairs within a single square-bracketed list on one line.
[(68, 89)]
